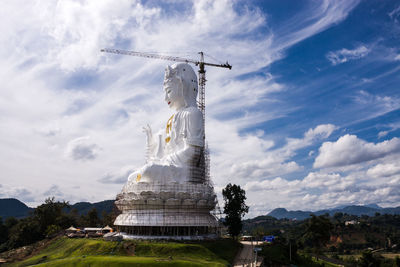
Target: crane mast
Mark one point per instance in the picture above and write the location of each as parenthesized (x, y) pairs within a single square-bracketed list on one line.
[(202, 83), (202, 91)]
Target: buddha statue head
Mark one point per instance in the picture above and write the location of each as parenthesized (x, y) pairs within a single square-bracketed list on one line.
[(180, 86)]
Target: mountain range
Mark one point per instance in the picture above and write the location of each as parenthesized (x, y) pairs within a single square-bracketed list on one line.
[(11, 207), (369, 210)]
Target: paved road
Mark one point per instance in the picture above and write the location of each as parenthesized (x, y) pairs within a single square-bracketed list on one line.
[(246, 255)]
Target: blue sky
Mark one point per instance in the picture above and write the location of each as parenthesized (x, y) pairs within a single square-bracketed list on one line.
[(308, 117)]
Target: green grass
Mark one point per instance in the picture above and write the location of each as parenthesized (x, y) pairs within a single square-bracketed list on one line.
[(354, 256), (211, 250), (327, 264), (390, 255), (96, 252), (112, 261)]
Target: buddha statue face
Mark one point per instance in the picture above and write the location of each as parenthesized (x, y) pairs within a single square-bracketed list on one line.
[(180, 86), (173, 92)]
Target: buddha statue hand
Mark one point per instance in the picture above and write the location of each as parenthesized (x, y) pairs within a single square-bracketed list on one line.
[(153, 145), (149, 133)]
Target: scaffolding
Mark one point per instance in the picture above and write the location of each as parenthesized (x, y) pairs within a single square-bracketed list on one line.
[(171, 210)]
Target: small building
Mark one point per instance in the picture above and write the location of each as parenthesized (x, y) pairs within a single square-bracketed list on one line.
[(71, 230), (88, 231), (107, 229), (93, 231), (352, 222), (247, 238), (97, 231)]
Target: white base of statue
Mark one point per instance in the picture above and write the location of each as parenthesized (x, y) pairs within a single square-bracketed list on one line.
[(171, 237), (159, 210), (166, 218)]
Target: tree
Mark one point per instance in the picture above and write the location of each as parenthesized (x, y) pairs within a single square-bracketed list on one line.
[(318, 232), (93, 218), (107, 218), (53, 230), (258, 232), (234, 208), (47, 220), (368, 260), (3, 232), (397, 261), (25, 232), (48, 213)]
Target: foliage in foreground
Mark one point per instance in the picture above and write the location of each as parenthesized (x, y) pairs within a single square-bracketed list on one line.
[(379, 231), (47, 220), (94, 252)]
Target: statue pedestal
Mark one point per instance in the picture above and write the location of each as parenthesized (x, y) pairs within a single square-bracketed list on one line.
[(167, 211)]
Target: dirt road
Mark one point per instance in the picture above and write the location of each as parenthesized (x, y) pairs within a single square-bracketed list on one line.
[(246, 255)]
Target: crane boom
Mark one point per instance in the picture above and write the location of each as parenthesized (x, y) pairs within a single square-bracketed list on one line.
[(164, 57)]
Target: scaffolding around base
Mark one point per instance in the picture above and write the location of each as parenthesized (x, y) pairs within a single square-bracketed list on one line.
[(168, 210)]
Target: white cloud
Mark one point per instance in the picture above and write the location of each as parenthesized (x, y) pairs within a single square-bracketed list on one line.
[(320, 190), (82, 148), (19, 193), (382, 134), (54, 191), (319, 16), (392, 127), (345, 55), (252, 158), (378, 102), (394, 13), (317, 180), (118, 177), (271, 185), (370, 106), (78, 29), (384, 170), (349, 149), (320, 132)]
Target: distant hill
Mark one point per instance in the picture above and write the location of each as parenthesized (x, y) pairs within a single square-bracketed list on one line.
[(11, 207), (281, 213), (370, 210), (85, 207)]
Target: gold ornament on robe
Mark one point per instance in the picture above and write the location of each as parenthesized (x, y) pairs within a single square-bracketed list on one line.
[(169, 128)]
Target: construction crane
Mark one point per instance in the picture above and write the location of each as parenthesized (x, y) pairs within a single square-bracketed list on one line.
[(200, 63)]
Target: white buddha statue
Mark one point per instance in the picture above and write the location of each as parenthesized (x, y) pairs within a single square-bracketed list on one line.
[(175, 154)]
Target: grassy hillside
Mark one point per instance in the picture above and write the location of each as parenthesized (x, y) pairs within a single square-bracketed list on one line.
[(95, 252)]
